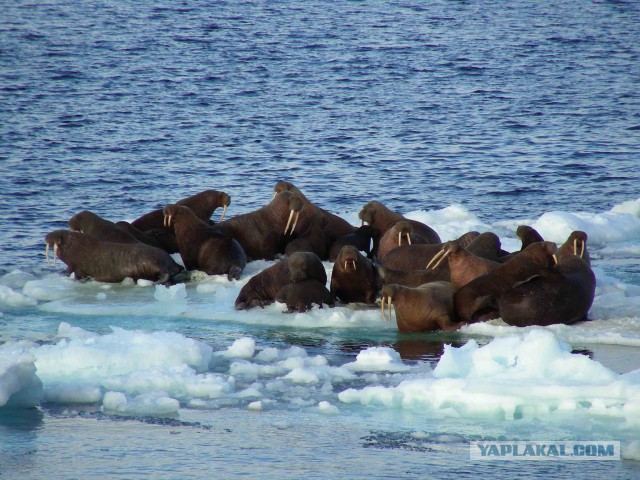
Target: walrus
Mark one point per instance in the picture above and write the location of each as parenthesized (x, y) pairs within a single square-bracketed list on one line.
[(410, 278), (475, 301), (262, 288), (353, 278), (377, 215), (415, 257), (335, 227), (362, 239), (562, 294), (260, 232), (527, 236), (92, 224), (87, 257), (202, 204), (576, 245), (400, 234), (313, 239), (464, 266), (425, 308), (143, 237), (202, 247), (301, 296)]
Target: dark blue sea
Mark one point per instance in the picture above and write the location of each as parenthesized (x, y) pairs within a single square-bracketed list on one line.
[(464, 114)]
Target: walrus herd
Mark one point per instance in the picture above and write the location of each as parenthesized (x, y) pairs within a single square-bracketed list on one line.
[(432, 285)]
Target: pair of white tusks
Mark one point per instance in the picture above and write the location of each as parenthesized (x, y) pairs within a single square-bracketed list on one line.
[(168, 218), (438, 258), (575, 248), (353, 262), (390, 302), (55, 253), (400, 238), (295, 222)]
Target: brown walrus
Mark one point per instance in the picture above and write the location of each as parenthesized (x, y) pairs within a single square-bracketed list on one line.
[(313, 239), (410, 278), (362, 239), (527, 236), (202, 204), (475, 301), (87, 257), (377, 215), (335, 227), (260, 232), (262, 288), (400, 234), (576, 245), (353, 278), (425, 308), (416, 257), (464, 266), (202, 247), (302, 296), (562, 294), (92, 224)]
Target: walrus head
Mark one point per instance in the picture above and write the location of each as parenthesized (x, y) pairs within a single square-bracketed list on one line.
[(528, 235), (55, 239), (294, 206), (172, 210), (77, 222), (403, 228), (368, 211), (579, 240), (348, 257), (304, 266), (387, 293), (447, 249), (282, 186)]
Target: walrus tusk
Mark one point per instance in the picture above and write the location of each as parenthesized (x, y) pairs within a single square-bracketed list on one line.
[(354, 265), (435, 257), (275, 192), (575, 246), (295, 222), (446, 254), (224, 210), (46, 252), (345, 265), (389, 300), (288, 223), (582, 249), (555, 259), (55, 253), (167, 220), (408, 239)]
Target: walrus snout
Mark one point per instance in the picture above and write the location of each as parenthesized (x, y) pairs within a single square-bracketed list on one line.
[(55, 239)]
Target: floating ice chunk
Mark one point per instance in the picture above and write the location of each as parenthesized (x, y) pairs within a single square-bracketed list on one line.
[(152, 403), (512, 377), (257, 405), (632, 207), (16, 279), (174, 294), (52, 287), (607, 227), (11, 298), (244, 347), (328, 409), (377, 359), (19, 384), (71, 392)]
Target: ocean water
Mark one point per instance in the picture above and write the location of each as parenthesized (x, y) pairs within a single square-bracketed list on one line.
[(465, 115)]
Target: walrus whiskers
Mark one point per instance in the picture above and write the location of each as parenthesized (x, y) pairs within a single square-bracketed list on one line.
[(224, 211), (435, 257)]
